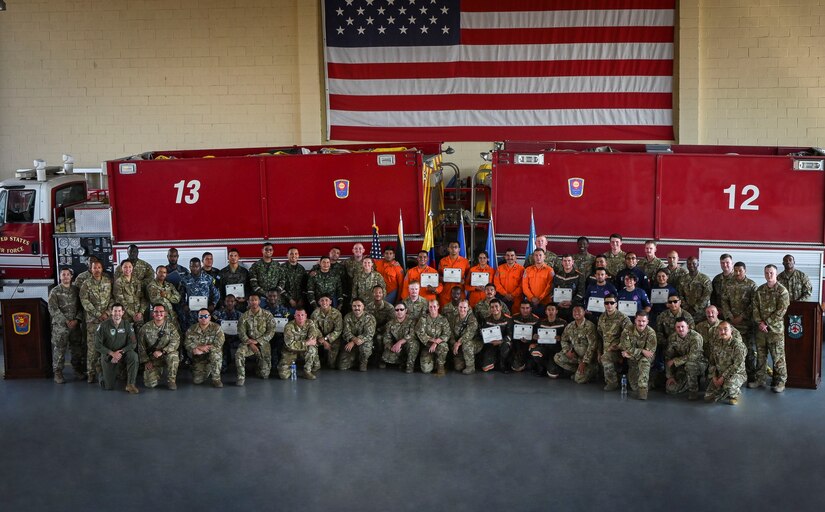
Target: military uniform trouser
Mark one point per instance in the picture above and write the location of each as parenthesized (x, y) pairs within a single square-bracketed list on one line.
[(264, 357), (361, 353), (611, 363), (168, 361), (129, 359), (638, 371), (331, 355), (542, 356), (205, 365), (92, 355), (466, 357), (686, 377), (750, 358), (773, 343), (406, 357), (731, 388), (311, 361), (63, 337), (572, 366), (501, 355), (425, 359)]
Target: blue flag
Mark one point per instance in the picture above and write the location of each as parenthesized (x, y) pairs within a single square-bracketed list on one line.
[(491, 244), (462, 244), (531, 240)]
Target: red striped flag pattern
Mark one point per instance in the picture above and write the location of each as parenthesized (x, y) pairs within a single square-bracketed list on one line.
[(480, 70)]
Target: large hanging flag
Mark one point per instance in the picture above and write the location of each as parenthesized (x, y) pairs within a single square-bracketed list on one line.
[(401, 253), (375, 248), (491, 244), (429, 241), (531, 240), (482, 70), (462, 243)]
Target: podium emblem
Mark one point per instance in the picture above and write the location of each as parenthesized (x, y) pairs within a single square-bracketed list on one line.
[(795, 326), (22, 323), (575, 186), (341, 189)]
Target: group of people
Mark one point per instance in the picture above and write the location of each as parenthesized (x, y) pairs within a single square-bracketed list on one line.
[(576, 315)]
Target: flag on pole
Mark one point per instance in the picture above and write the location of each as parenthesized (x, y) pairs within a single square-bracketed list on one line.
[(375, 248), (402, 251), (491, 244), (462, 243), (482, 70), (429, 241), (531, 240)]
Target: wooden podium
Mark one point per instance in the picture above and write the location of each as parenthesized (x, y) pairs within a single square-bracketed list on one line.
[(27, 343), (803, 344)]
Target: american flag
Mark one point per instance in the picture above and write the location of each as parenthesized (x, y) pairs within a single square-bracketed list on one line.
[(375, 248), (487, 70)]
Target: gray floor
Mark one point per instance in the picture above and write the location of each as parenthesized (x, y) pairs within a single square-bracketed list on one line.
[(388, 441)]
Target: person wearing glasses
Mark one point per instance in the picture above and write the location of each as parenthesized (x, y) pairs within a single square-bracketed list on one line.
[(158, 342), (611, 325), (666, 326), (255, 330), (400, 344), (204, 342), (631, 267)]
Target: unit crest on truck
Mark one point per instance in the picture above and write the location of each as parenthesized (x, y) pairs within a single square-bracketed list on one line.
[(210, 200)]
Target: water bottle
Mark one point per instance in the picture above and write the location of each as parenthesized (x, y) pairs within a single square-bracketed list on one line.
[(624, 386), (293, 372)]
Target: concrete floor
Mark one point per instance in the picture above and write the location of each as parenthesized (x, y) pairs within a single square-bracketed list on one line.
[(388, 441)]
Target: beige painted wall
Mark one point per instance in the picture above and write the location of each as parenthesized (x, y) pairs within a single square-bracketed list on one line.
[(102, 79)]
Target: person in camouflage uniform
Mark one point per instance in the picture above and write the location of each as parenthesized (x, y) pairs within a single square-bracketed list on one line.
[(651, 263), (65, 312), (450, 309), (610, 327), (234, 273), (464, 342), (367, 279), (358, 336), (330, 323), (433, 332), (158, 343), (583, 260), (159, 291), (115, 343), (770, 303), (354, 265), (96, 298), (204, 342), (482, 309), (675, 271), (128, 290), (795, 281), (294, 279), (726, 372), (695, 288), (639, 348), (501, 350), (380, 309), (400, 343), (720, 281), (666, 321), (300, 342), (615, 257), (324, 281), (416, 304), (708, 329), (521, 345), (737, 308), (265, 274), (141, 270), (255, 330), (685, 361), (579, 344)]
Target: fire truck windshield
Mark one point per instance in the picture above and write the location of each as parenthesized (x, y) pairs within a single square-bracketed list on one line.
[(20, 205)]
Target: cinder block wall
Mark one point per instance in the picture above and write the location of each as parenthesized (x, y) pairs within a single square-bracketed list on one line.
[(105, 78)]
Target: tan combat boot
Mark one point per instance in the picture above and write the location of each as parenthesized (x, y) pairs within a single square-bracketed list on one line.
[(440, 370), (131, 389), (58, 377), (642, 393), (172, 385)]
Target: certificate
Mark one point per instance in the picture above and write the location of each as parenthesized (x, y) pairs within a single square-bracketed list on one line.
[(280, 323), (562, 295), (628, 307), (522, 332), (595, 304), (452, 275), (491, 334), (659, 295), (197, 302), (547, 336), (229, 327), (479, 279), (236, 289), (429, 279)]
